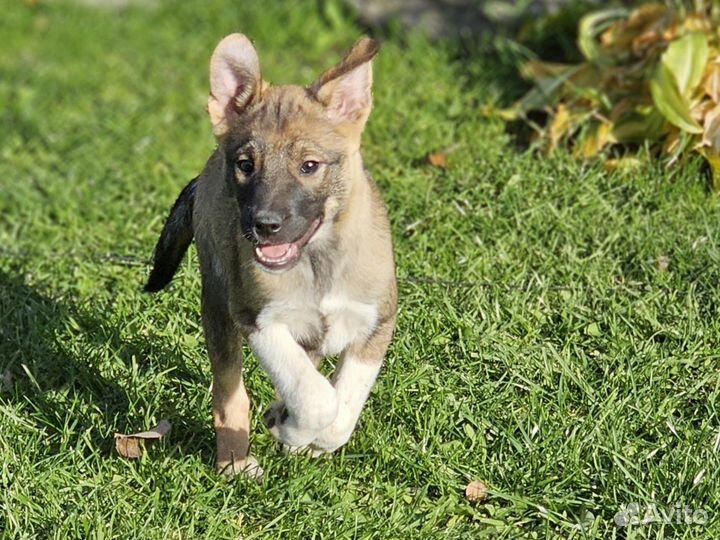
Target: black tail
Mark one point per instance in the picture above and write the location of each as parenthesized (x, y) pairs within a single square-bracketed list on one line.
[(174, 240)]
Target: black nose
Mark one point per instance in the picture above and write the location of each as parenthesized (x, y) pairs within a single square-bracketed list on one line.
[(267, 223)]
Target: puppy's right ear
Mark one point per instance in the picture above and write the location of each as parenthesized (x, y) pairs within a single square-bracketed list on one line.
[(234, 81)]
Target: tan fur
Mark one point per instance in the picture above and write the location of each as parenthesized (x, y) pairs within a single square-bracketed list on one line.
[(350, 258)]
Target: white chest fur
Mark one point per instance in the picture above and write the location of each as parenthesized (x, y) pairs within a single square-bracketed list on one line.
[(343, 320), (346, 321)]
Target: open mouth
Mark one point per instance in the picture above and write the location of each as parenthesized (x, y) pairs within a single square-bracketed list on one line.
[(282, 256)]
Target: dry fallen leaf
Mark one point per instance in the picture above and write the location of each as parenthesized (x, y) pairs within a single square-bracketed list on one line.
[(475, 491), (129, 447), (133, 446), (712, 81), (438, 159), (711, 134)]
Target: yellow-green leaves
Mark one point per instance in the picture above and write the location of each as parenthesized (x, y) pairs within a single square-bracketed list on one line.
[(651, 77), (686, 59), (670, 102), (680, 71)]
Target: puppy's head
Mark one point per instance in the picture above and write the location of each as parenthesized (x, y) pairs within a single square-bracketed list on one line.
[(289, 151)]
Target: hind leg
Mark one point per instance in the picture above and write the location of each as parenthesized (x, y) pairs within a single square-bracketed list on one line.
[(231, 404)]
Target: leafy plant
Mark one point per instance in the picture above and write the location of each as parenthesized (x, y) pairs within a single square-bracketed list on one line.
[(650, 76)]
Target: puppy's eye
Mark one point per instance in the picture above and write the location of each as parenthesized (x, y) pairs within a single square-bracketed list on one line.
[(309, 167), (245, 166)]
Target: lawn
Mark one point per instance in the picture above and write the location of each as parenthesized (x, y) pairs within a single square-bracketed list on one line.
[(558, 334)]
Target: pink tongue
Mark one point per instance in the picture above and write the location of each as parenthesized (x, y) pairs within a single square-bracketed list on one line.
[(275, 252)]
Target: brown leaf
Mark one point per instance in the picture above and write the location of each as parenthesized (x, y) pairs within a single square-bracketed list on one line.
[(700, 109), (712, 80), (475, 491), (646, 41), (646, 15), (438, 159), (636, 30), (133, 446), (671, 33), (711, 129), (129, 447)]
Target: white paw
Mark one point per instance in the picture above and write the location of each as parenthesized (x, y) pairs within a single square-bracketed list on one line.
[(248, 466), (299, 430), (336, 434)]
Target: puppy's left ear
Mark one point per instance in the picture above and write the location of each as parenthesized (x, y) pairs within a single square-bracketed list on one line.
[(346, 89)]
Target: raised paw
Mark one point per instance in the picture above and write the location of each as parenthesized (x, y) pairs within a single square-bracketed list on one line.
[(276, 414), (335, 435), (295, 431)]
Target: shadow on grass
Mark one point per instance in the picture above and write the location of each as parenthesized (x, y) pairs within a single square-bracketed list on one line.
[(45, 369), (491, 55)]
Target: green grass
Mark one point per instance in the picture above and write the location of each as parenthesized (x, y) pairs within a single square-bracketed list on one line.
[(539, 348)]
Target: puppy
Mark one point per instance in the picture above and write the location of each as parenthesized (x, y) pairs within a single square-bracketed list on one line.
[(295, 250)]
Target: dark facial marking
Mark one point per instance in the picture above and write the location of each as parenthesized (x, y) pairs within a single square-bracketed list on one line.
[(246, 166), (275, 206)]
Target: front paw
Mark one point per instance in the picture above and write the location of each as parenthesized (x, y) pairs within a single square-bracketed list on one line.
[(335, 435), (284, 426), (276, 415), (296, 431)]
